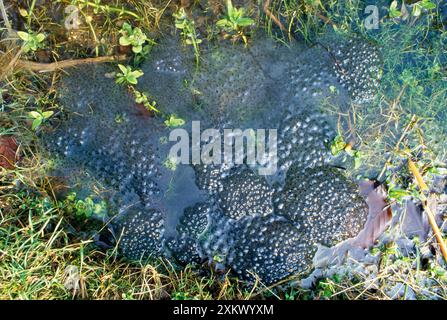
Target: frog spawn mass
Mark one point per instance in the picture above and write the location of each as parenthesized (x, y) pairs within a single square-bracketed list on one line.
[(357, 66), (226, 214)]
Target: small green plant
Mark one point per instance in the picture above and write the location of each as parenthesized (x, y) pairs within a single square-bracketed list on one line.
[(218, 258), (141, 97), (183, 296), (143, 55), (173, 121), (408, 78), (393, 11), (83, 209), (188, 31), (170, 164), (325, 288), (398, 190), (292, 294), (106, 8), (235, 21), (132, 37), (120, 118), (422, 5), (397, 194), (333, 90), (39, 117), (418, 7), (31, 41), (128, 75), (339, 145)]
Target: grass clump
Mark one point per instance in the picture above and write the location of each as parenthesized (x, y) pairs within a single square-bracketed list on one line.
[(41, 257), (234, 22), (188, 31)]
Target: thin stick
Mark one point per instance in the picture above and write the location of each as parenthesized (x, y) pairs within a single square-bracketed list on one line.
[(431, 217), (49, 67), (110, 9), (326, 19), (396, 148), (11, 64), (417, 175), (5, 16), (272, 16)]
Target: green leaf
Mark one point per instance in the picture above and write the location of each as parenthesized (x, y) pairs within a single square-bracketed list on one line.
[(23, 12), (428, 5), (137, 49), (40, 37), (23, 35), (137, 73), (333, 89), (394, 12), (397, 193), (126, 28), (124, 41), (35, 114), (245, 22), (33, 45), (223, 23), (357, 159), (132, 79), (120, 80), (26, 48), (416, 11), (173, 121), (230, 8), (122, 68), (180, 25), (337, 145), (36, 123), (47, 114)]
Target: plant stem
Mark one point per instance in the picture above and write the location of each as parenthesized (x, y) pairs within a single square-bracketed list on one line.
[(30, 12), (431, 217), (396, 148), (269, 13), (417, 175), (111, 9), (48, 67), (5, 16)]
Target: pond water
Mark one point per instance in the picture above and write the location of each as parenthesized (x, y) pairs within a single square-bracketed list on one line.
[(230, 214)]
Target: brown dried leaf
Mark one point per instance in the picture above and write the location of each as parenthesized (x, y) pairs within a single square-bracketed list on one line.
[(8, 152), (379, 216)]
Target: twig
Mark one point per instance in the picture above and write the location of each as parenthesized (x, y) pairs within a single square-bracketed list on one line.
[(49, 67), (431, 217), (110, 9), (11, 64), (326, 19), (5, 16), (272, 16), (269, 13), (420, 181), (396, 148)]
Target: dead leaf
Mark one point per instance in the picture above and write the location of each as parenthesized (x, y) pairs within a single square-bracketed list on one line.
[(379, 215), (414, 221), (378, 220), (8, 152), (142, 111)]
